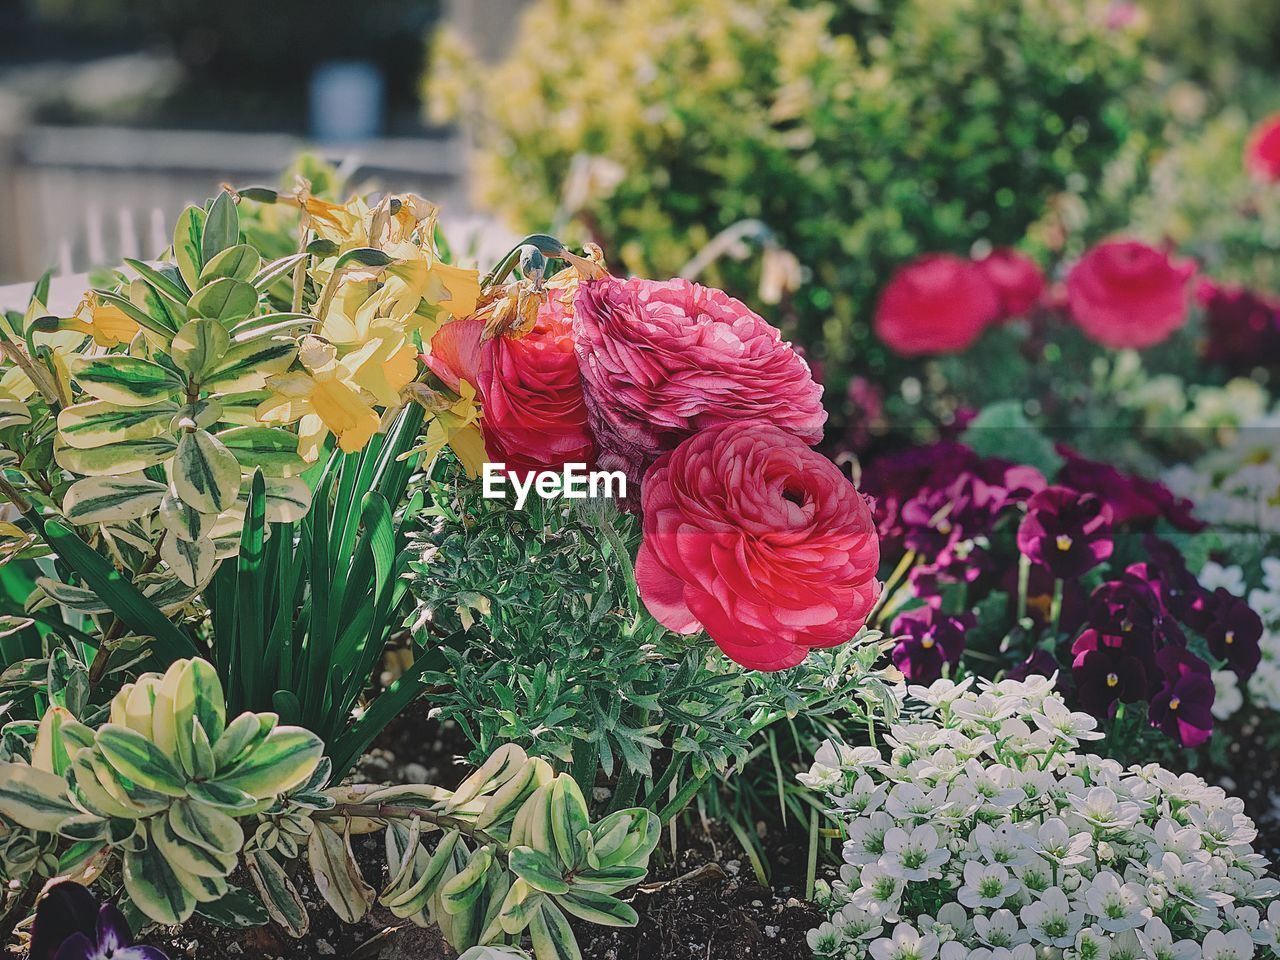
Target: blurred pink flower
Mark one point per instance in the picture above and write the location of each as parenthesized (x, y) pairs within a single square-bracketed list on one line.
[(1124, 293), (1262, 153), (938, 303)]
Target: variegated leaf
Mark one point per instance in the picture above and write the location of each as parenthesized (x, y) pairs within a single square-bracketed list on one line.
[(192, 560), (183, 521), (283, 760), (248, 365), (336, 874), (97, 423), (239, 262), (225, 300), (205, 474), (35, 799), (13, 412), (139, 760), (271, 449), (206, 827), (128, 381), (199, 345), (128, 456), (112, 499), (278, 894), (187, 237), (155, 888), (241, 409)]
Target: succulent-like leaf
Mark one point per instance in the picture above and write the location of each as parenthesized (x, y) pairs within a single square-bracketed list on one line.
[(155, 887), (205, 474), (97, 423), (187, 857), (199, 346), (538, 870), (205, 826), (35, 799), (187, 241), (278, 894), (552, 936), (247, 365), (139, 760), (221, 227), (466, 886), (238, 262), (127, 456), (336, 874), (568, 819), (271, 449), (599, 908), (128, 381), (283, 760), (127, 496), (224, 300)]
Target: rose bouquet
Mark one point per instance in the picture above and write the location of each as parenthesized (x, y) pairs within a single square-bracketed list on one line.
[(979, 831)]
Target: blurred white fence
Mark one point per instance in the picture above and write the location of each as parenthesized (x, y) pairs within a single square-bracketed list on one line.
[(73, 198)]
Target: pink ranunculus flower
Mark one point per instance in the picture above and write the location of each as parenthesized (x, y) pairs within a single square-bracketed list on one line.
[(1262, 152), (1016, 277), (1124, 293), (938, 303), (760, 541), (535, 417), (662, 360)]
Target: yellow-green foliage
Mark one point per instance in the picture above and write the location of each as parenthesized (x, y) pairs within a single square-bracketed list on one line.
[(860, 139)]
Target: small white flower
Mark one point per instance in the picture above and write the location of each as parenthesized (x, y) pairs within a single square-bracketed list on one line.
[(1005, 845), (1051, 920), (1102, 808), (1227, 698), (1001, 929), (1213, 575), (915, 856), (879, 892), (1159, 944), (1057, 844), (860, 924), (906, 944), (986, 886), (1118, 906), (1232, 945), (1056, 719), (1092, 944)]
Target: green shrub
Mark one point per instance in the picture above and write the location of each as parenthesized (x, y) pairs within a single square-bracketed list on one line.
[(860, 139)]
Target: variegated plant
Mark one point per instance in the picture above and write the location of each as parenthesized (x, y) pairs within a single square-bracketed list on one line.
[(511, 851), (156, 791)]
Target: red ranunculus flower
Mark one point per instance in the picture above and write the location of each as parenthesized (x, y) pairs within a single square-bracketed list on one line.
[(535, 417), (662, 360), (1017, 279), (1262, 153), (1124, 293), (938, 303), (760, 541), (454, 354)]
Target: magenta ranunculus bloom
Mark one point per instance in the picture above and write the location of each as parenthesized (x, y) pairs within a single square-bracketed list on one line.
[(938, 303), (928, 640), (760, 541), (1183, 705), (663, 360), (1123, 293), (1262, 153), (535, 417), (1066, 531), (1106, 673), (1235, 633), (1016, 277)]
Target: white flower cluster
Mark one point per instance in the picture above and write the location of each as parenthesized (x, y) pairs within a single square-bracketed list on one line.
[(983, 834)]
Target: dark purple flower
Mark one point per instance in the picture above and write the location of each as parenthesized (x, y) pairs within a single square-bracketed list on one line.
[(894, 479), (1066, 531), (1176, 586), (1234, 634), (1243, 327), (928, 639), (1133, 500), (1182, 707), (1129, 609), (69, 925), (1106, 673), (1039, 664)]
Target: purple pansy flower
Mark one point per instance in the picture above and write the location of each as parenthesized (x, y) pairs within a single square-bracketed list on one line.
[(1106, 673), (1133, 500), (1235, 633), (1066, 531), (928, 639), (69, 925), (1039, 664), (1183, 706)]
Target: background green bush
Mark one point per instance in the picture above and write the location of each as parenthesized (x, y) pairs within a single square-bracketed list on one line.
[(862, 133)]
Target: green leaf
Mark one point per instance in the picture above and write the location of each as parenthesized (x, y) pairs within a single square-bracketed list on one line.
[(272, 450), (599, 908), (238, 909), (122, 596), (225, 300), (187, 242), (129, 496), (97, 423), (336, 874), (33, 798), (366, 256), (139, 760), (183, 521), (1003, 430), (198, 346), (186, 857), (465, 887), (238, 262), (154, 887), (163, 327), (205, 474), (568, 819), (192, 561), (198, 699), (538, 870), (127, 456), (247, 365), (221, 229), (206, 827), (128, 381), (552, 936), (220, 795), (284, 759), (163, 285), (278, 894)]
